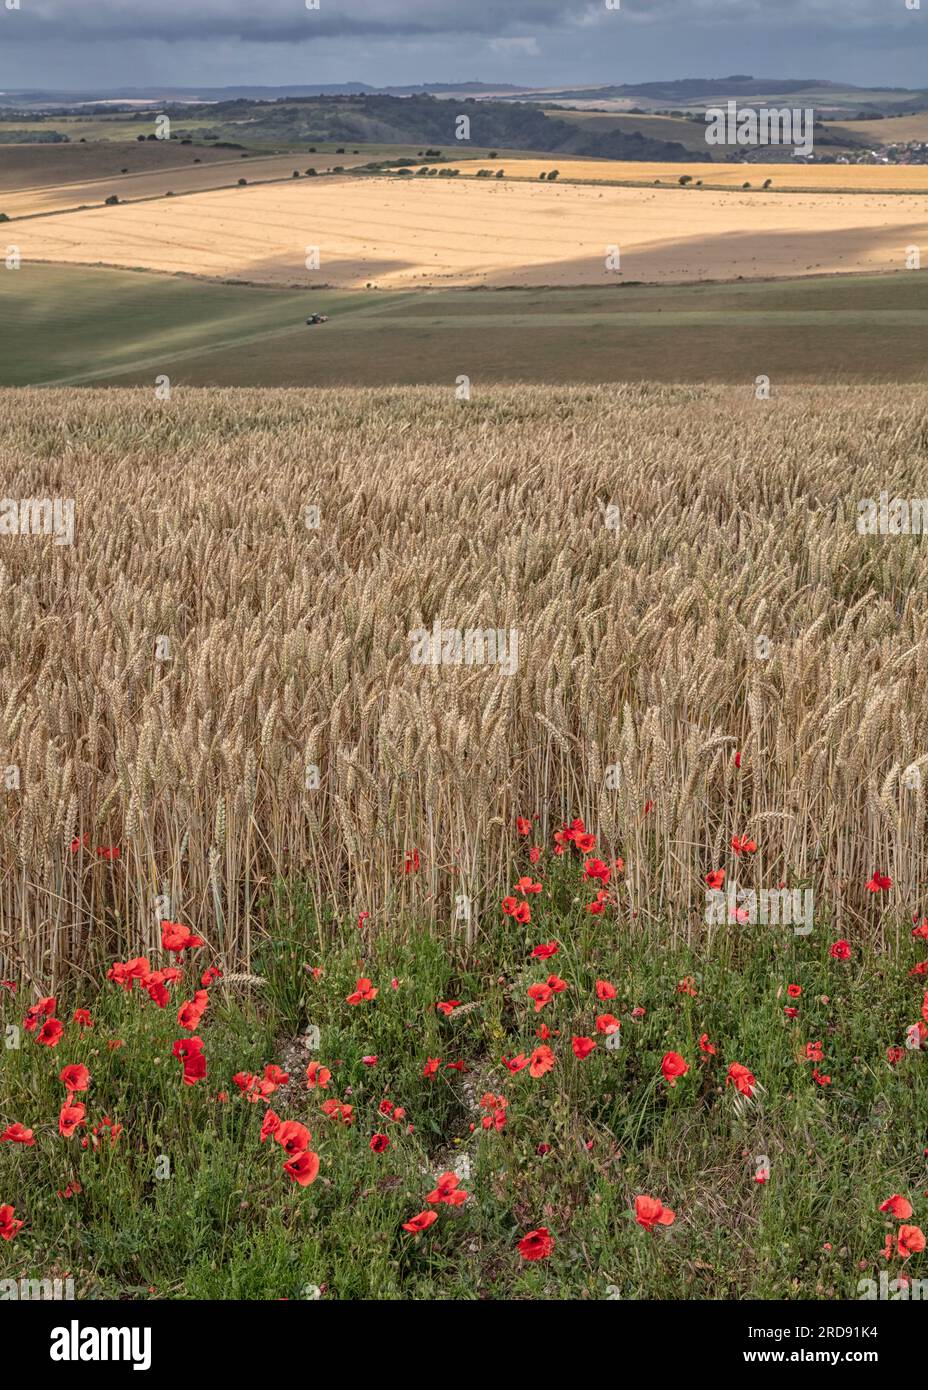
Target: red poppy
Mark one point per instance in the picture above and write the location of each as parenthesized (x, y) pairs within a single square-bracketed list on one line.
[(8, 1224), (82, 1018), (741, 1079), (522, 914), (705, 1045), (293, 1137), (176, 937), (76, 1077), (716, 878), (794, 991), (317, 1075), (595, 868), (541, 1061), (582, 1047), (190, 1012), (649, 1212), (50, 1034), (447, 1192), (515, 1063), (537, 1245), (303, 1168), (607, 1023), (447, 1006), (673, 1066), (431, 1066), (18, 1134), (605, 990), (541, 994), (362, 990), (421, 1222), (379, 1143), (70, 1117), (41, 1009), (190, 1052), (270, 1124), (546, 950), (898, 1207), (534, 854), (879, 883), (910, 1240), (523, 825), (742, 845), (840, 950)]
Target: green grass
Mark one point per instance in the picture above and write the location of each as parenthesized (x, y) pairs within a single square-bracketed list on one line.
[(73, 325), (228, 1223)]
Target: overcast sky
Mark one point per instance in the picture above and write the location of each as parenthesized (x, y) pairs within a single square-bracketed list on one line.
[(76, 44)]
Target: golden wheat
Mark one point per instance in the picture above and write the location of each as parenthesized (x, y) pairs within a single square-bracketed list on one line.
[(289, 647)]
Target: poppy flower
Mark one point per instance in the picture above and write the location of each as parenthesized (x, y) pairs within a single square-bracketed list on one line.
[(456, 1066), (546, 950), (534, 854), (41, 1009), (585, 842), (70, 1117), (522, 914), (673, 1066), (794, 991), (50, 1034), (362, 990), (431, 1066), (293, 1137), (741, 1079), (716, 878), (336, 1110), (209, 975), (82, 1018), (814, 1052), (879, 883), (516, 1063), (76, 1077), (421, 1222), (582, 1047), (192, 1010), (379, 1143), (541, 994), (737, 760), (537, 1245), (910, 1240), (541, 1061), (108, 851), (176, 937), (447, 1006), (270, 1124), (649, 1212), (527, 885), (705, 1045), (742, 845), (523, 825), (411, 863), (317, 1075), (898, 1207), (605, 990), (840, 950), (18, 1134), (447, 1192), (607, 1023), (894, 1055), (8, 1224), (595, 868), (303, 1168), (190, 1052)]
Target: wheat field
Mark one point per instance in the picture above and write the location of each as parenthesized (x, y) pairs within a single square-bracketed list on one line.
[(682, 567)]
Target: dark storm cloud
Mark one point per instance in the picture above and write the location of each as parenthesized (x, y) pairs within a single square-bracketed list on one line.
[(289, 21)]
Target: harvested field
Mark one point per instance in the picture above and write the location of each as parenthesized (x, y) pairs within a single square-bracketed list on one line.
[(415, 233), (791, 174)]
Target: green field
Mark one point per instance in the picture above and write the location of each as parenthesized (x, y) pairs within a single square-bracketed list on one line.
[(74, 325)]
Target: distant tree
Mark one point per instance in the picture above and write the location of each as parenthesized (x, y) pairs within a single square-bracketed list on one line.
[(767, 182), (542, 175), (553, 175), (242, 183), (684, 179), (112, 200), (310, 173)]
